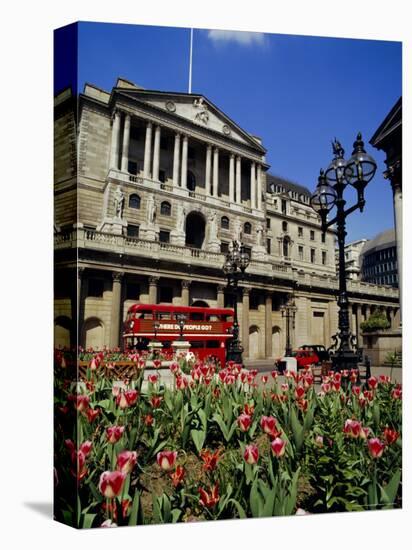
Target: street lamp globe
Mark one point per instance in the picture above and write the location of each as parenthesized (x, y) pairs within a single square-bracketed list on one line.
[(324, 197), (244, 260), (361, 167), (228, 267)]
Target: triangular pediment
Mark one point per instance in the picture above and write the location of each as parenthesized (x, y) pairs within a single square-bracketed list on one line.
[(391, 122), (196, 109)]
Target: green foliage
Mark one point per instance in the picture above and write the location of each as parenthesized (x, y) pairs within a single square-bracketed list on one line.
[(376, 321)]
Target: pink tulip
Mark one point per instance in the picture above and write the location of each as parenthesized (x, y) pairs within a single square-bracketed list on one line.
[(127, 398), (126, 461), (166, 459), (373, 382), (86, 447), (114, 433), (278, 446), (82, 402), (153, 378), (299, 392), (251, 454), (376, 447), (181, 382), (244, 421), (268, 425), (111, 483), (352, 428)]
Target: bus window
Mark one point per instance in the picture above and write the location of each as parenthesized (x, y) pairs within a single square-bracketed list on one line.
[(212, 317), (164, 315), (227, 318), (197, 316), (212, 344), (144, 314)]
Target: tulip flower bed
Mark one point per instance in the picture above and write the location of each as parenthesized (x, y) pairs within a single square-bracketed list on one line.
[(223, 443)]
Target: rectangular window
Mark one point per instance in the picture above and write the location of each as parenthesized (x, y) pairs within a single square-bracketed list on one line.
[(224, 247), (268, 246), (164, 236), (283, 206), (312, 235), (300, 231), (248, 251), (300, 250), (132, 230), (323, 257), (312, 255), (132, 291), (267, 223), (166, 294), (95, 288), (254, 301), (323, 237)]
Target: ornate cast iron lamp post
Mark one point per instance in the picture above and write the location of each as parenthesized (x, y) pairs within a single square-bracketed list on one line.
[(288, 312), (237, 260), (358, 172), (181, 319)]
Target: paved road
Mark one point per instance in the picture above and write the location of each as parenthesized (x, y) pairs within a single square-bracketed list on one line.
[(265, 366)]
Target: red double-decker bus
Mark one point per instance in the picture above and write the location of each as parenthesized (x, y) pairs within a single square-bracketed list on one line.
[(207, 329)]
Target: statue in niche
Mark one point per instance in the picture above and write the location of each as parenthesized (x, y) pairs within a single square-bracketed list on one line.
[(119, 202), (238, 232), (202, 115), (180, 222), (259, 235), (213, 226), (151, 210)]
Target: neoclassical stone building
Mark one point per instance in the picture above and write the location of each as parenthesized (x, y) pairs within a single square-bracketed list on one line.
[(151, 187)]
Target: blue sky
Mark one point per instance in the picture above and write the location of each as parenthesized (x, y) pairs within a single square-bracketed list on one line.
[(295, 92)]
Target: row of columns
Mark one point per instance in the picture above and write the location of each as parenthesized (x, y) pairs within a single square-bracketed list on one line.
[(151, 163)]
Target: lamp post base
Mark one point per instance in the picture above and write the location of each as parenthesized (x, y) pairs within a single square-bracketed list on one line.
[(235, 354), (345, 360)]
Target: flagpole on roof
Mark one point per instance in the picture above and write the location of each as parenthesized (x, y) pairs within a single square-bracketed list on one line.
[(190, 61)]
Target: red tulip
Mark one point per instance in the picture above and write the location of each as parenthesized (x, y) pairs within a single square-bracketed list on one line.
[(326, 387), (209, 500), (148, 420), (92, 414), (396, 393), (69, 445), (244, 421), (373, 382), (251, 454), (155, 401), (153, 378), (352, 428), (157, 363), (356, 390), (114, 433), (336, 385), (384, 379), (210, 459), (278, 446), (166, 459), (174, 367), (82, 402), (177, 476), (299, 392), (111, 483), (181, 382), (127, 398), (302, 404), (86, 447), (264, 379), (390, 435), (249, 409), (126, 461), (284, 387), (376, 447), (94, 363), (79, 459), (274, 374), (268, 425), (126, 504)]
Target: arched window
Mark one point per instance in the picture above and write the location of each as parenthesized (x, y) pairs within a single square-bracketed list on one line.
[(247, 228), (224, 222), (165, 208), (134, 201)]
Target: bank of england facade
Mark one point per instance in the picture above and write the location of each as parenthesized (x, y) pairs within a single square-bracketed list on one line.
[(150, 190)]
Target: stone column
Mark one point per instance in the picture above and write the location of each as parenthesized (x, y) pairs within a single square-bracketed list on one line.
[(397, 205), (220, 296), (245, 321), (397, 318), (367, 312), (77, 312), (185, 292), (358, 324), (156, 154), (114, 153), (176, 160), (208, 171), (126, 141), (184, 163), (238, 180), (268, 325), (153, 281), (147, 150), (216, 172), (115, 311), (232, 177), (253, 185), (391, 316), (259, 187)]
